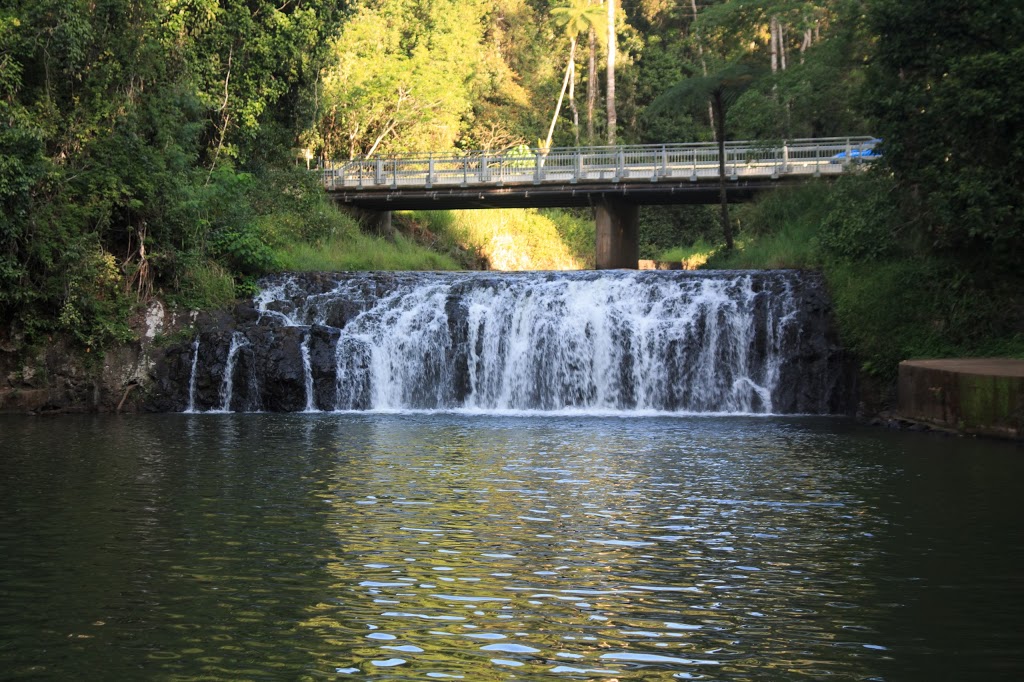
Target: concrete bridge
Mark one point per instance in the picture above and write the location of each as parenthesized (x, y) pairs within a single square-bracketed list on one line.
[(615, 180)]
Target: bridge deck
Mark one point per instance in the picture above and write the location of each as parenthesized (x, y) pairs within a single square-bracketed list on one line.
[(645, 174)]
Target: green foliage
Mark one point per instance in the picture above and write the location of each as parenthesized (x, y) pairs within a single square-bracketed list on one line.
[(893, 299), (692, 257), (665, 227), (892, 310), (95, 309), (577, 231), (944, 88), (205, 285), (861, 223)]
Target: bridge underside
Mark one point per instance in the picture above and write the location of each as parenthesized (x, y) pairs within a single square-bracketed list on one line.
[(616, 205), (549, 195)]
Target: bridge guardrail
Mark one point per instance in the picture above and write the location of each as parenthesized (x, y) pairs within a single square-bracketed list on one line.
[(626, 163)]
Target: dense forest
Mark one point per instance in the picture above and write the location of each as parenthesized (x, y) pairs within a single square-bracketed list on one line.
[(163, 146)]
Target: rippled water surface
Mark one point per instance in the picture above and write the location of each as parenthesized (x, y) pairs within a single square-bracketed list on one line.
[(498, 548)]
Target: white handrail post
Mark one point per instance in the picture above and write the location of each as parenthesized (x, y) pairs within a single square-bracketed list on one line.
[(817, 160), (664, 161), (394, 173), (378, 178), (537, 168), (577, 164), (484, 175), (430, 171), (465, 171)]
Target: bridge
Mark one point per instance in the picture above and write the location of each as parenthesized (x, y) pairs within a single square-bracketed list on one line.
[(614, 180)]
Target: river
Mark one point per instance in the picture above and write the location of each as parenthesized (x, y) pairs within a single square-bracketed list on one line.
[(427, 545)]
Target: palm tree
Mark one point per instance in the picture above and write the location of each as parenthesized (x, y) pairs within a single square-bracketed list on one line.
[(721, 88), (610, 83), (576, 17)]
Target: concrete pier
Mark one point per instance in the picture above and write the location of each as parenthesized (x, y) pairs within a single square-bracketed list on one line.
[(976, 396), (618, 228)]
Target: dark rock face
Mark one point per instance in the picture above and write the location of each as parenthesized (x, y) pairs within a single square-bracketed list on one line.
[(663, 341)]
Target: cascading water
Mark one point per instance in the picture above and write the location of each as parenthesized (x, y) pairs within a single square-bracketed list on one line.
[(307, 375), (227, 385), (613, 341), (192, 377)]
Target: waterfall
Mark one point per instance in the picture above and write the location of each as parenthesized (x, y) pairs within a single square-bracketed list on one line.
[(592, 342), (307, 374), (227, 381), (192, 377)]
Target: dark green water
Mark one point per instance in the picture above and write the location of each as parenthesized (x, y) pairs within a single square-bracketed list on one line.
[(228, 547)]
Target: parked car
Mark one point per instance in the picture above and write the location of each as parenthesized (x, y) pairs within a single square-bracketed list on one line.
[(865, 150)]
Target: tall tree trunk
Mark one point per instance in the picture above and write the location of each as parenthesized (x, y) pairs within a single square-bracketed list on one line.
[(591, 84), (782, 44), (561, 95), (719, 109), (703, 68), (805, 44), (572, 97), (773, 40), (610, 88)]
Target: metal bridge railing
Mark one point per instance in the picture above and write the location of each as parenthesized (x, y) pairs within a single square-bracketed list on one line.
[(627, 163)]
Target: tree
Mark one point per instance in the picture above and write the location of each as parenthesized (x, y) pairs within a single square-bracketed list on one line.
[(610, 83), (722, 89), (945, 91), (574, 18)]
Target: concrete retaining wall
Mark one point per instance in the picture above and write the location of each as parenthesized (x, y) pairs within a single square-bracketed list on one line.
[(978, 396)]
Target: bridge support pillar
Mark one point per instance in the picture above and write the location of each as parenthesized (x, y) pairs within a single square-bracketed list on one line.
[(617, 234)]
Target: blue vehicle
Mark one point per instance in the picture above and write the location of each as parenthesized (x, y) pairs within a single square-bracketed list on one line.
[(865, 150)]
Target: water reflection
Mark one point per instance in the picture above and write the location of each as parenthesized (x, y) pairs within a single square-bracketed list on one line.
[(445, 547), (587, 548)]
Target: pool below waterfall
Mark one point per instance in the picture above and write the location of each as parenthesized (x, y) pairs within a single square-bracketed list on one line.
[(450, 546)]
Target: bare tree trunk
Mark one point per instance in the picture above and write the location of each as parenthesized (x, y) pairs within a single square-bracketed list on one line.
[(561, 95), (782, 44), (704, 70), (572, 98), (591, 85), (610, 89), (719, 108), (773, 28), (805, 44)]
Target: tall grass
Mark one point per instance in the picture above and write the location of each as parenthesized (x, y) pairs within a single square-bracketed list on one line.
[(361, 252), (321, 238), (780, 230), (691, 257)]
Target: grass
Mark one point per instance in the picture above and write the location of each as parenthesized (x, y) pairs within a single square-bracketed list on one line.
[(361, 252), (692, 257), (205, 286), (517, 239)]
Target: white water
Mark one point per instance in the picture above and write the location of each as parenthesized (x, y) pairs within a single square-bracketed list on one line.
[(307, 369), (227, 381), (540, 342), (192, 377)]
